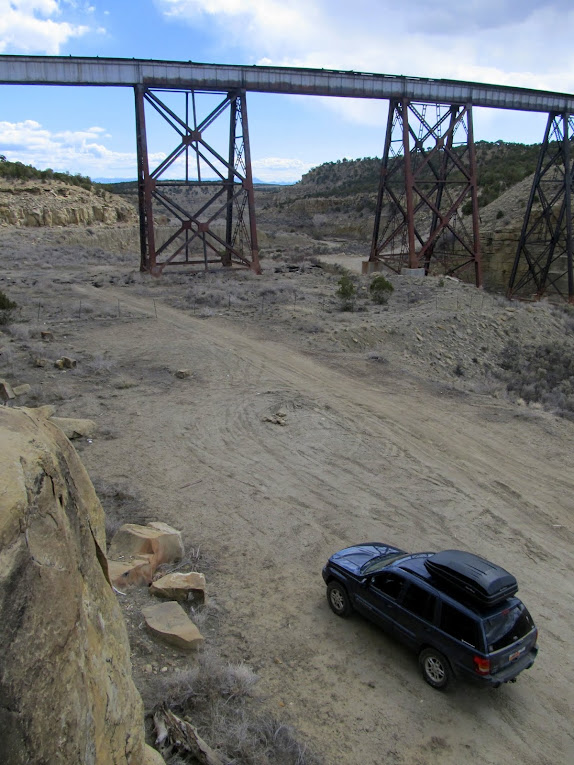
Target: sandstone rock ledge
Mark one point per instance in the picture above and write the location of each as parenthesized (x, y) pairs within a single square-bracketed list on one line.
[(66, 692)]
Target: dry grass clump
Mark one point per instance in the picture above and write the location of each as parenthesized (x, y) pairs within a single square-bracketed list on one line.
[(120, 506), (99, 365), (540, 374), (217, 698), (20, 332)]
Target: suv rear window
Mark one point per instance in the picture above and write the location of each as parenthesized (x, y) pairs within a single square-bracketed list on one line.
[(507, 627), (459, 625)]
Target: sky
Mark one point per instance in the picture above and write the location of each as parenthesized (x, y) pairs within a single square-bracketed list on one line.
[(91, 131)]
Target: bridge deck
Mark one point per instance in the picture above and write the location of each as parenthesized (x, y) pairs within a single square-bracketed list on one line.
[(64, 70)]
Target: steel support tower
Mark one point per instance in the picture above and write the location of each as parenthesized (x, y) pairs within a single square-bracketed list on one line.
[(543, 262), (196, 206), (427, 182)]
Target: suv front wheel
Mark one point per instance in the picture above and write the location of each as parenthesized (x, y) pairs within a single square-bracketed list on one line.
[(338, 599), (435, 668)]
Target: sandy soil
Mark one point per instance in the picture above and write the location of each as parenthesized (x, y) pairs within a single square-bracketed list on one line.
[(370, 452)]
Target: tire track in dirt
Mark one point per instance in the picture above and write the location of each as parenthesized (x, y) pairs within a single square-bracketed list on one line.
[(356, 461)]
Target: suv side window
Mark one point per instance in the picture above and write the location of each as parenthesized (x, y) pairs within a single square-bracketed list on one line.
[(458, 625), (419, 602), (389, 584)]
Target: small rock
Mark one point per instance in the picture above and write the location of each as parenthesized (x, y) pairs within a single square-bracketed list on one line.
[(6, 391), (75, 428), (39, 362), (65, 363), (20, 390), (47, 336), (183, 373), (170, 623), (179, 585), (136, 569)]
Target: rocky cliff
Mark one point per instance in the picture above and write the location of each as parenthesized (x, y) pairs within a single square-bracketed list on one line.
[(53, 203), (66, 692)]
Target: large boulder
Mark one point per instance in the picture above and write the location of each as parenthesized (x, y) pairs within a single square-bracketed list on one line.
[(66, 690), (157, 539)]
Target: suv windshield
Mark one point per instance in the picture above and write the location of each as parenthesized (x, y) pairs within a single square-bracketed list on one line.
[(376, 564), (507, 627)]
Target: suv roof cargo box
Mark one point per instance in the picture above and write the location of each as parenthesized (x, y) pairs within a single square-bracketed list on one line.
[(485, 582)]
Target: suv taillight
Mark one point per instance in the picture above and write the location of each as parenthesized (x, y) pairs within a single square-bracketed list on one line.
[(481, 665)]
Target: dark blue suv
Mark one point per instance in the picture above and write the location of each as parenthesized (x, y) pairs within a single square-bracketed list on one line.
[(457, 610)]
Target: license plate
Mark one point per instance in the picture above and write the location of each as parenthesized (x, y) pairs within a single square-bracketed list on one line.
[(515, 655)]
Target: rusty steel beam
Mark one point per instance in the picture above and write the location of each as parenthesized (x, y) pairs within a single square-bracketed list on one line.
[(195, 209), (543, 265), (147, 239), (428, 174), (70, 70)]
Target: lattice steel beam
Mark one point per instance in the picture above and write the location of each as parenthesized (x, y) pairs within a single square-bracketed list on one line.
[(543, 263), (209, 208), (428, 175)]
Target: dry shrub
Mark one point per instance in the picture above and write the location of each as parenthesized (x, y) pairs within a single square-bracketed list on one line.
[(540, 374), (216, 696), (99, 365), (20, 332)]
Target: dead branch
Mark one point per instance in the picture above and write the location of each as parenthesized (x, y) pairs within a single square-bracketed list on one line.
[(172, 730)]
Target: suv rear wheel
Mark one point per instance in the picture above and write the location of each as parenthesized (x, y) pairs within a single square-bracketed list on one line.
[(338, 599), (435, 668)]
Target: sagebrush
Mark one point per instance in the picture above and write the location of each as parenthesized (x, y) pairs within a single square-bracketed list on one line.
[(540, 374), (217, 696)]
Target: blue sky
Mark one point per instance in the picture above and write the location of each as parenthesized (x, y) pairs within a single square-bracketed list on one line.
[(88, 130)]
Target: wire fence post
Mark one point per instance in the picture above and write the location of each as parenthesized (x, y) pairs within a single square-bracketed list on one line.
[(155, 308)]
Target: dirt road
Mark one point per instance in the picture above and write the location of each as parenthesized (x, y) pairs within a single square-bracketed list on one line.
[(359, 460)]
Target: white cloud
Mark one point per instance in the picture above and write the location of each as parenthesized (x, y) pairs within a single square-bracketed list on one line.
[(36, 26), (274, 169), (481, 40), (79, 151), (85, 151)]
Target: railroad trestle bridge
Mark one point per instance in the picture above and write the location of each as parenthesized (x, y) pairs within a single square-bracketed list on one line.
[(428, 170)]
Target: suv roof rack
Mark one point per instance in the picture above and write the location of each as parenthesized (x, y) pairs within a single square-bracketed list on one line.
[(483, 581)]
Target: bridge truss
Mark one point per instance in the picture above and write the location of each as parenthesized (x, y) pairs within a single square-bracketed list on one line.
[(428, 179), (543, 262), (195, 206)]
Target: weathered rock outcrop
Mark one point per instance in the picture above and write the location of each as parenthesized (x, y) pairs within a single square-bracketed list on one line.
[(25, 203), (66, 693)]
